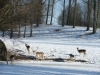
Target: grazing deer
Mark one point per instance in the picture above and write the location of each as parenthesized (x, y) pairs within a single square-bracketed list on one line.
[(11, 58), (71, 56), (81, 51), (28, 47), (57, 30)]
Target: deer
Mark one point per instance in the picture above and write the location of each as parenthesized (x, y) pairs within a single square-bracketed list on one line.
[(28, 47), (57, 30), (81, 51), (34, 51), (71, 56), (39, 55), (12, 58)]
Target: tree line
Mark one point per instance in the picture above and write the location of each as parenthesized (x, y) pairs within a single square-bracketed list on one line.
[(15, 14), (86, 13)]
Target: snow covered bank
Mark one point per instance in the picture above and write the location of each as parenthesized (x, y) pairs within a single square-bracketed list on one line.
[(59, 44)]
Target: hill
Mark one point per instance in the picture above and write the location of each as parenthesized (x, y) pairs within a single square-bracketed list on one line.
[(58, 42)]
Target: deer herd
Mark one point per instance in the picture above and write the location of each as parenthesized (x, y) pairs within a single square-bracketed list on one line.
[(40, 55)]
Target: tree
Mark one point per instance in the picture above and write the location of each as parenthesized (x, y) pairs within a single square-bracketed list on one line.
[(74, 17), (79, 15), (63, 15), (19, 27), (5, 15), (98, 13), (89, 10), (94, 16), (16, 13), (47, 11), (69, 9), (53, 2)]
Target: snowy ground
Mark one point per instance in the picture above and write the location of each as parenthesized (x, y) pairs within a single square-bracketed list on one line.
[(58, 44), (48, 68)]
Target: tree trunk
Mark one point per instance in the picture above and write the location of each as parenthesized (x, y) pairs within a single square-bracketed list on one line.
[(63, 17), (94, 17), (25, 30), (47, 12), (52, 12), (68, 17), (74, 19), (37, 23), (88, 15), (19, 29), (98, 13), (19, 20), (11, 33), (3, 33), (30, 28)]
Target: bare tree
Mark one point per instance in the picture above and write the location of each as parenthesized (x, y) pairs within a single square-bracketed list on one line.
[(69, 9), (98, 12), (74, 17), (53, 1), (48, 11), (89, 10), (94, 16), (5, 15), (63, 15)]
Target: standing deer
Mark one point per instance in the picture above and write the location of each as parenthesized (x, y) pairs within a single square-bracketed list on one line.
[(28, 47), (11, 58), (34, 51), (71, 56), (81, 51), (39, 55)]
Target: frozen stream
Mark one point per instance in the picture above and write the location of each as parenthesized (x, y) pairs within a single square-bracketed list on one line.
[(41, 70)]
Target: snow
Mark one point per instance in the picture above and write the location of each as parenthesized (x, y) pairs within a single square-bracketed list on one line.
[(48, 68), (58, 44)]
